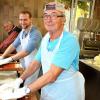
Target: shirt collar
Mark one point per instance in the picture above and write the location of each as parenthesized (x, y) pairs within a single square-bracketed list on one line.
[(28, 29)]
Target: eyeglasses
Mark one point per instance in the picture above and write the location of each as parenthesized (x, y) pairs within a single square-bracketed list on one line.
[(52, 16)]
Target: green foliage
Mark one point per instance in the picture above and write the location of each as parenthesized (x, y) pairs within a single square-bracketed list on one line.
[(66, 2), (81, 4)]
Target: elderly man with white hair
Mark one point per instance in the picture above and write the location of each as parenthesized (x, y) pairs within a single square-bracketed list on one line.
[(59, 57)]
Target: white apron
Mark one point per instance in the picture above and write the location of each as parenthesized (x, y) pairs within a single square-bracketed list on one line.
[(28, 59), (68, 86)]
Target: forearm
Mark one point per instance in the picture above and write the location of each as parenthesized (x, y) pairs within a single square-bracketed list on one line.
[(40, 82), (19, 55), (8, 51), (47, 78), (30, 70)]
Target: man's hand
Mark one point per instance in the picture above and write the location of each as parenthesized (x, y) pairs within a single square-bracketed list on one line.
[(18, 93), (13, 84), (6, 61), (16, 83)]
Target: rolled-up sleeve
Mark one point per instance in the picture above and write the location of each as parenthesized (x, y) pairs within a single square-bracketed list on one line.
[(38, 55), (17, 42)]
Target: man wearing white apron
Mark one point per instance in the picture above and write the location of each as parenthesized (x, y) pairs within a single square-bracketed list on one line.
[(28, 40), (59, 56)]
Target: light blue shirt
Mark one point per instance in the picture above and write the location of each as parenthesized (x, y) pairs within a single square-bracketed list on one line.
[(68, 54), (33, 42)]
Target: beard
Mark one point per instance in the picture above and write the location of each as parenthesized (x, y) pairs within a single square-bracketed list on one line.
[(25, 26)]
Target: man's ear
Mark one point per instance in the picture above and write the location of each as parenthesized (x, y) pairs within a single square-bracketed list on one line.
[(63, 20)]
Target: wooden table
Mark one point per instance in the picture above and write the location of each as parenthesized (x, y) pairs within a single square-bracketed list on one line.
[(14, 66)]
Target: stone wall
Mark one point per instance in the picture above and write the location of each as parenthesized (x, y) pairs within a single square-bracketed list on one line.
[(9, 10)]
